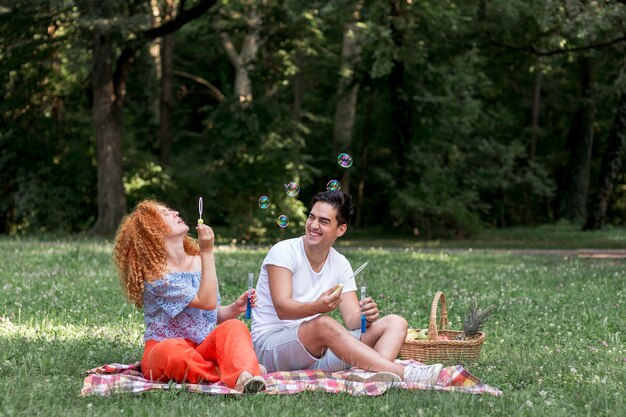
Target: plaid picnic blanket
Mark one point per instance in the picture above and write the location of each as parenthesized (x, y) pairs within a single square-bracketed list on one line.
[(119, 378)]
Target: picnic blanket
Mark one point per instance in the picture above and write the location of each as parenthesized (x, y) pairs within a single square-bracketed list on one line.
[(120, 378)]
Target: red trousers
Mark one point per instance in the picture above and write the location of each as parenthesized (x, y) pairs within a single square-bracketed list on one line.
[(223, 355)]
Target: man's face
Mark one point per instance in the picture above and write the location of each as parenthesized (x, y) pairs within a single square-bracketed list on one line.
[(322, 228)]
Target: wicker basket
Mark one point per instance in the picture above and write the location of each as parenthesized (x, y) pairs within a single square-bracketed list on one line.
[(450, 351)]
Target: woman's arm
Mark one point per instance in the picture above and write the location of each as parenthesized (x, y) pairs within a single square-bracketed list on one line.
[(232, 311), (206, 298)]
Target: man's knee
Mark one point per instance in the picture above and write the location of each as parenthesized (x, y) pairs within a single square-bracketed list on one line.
[(399, 321), (395, 322), (322, 326)]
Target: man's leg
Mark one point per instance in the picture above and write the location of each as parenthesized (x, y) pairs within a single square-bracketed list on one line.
[(324, 332), (282, 351), (386, 336)]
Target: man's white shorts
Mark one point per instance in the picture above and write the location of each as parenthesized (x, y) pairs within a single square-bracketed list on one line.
[(281, 350)]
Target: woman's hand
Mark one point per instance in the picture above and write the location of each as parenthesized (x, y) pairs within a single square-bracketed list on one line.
[(232, 311), (206, 238), (240, 303)]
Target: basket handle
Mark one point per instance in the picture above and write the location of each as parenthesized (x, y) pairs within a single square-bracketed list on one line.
[(443, 323)]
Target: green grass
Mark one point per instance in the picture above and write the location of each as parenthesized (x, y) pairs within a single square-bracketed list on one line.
[(555, 236), (556, 346)]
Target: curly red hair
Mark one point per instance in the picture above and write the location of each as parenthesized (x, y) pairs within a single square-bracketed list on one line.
[(139, 251)]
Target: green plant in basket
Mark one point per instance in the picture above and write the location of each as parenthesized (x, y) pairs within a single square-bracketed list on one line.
[(475, 320)]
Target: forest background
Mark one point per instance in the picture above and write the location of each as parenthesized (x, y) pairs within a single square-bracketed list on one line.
[(459, 115)]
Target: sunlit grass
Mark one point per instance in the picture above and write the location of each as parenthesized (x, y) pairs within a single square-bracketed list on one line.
[(553, 236), (555, 346)]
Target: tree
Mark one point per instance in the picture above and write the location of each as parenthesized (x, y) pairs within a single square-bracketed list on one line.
[(575, 186), (109, 92), (348, 92), (165, 13), (46, 171), (243, 60), (456, 113), (611, 163), (108, 120)]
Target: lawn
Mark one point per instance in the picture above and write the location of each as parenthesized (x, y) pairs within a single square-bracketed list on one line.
[(554, 236), (555, 347)]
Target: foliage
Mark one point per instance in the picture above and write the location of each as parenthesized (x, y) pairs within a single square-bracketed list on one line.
[(46, 153), (444, 142)]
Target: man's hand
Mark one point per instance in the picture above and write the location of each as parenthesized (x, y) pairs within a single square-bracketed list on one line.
[(369, 309), (337, 289), (329, 300)]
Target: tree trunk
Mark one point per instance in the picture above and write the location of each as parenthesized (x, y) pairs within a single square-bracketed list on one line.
[(243, 60), (109, 90), (167, 99), (579, 145), (611, 164), (297, 91), (155, 52), (401, 115), (363, 161), (249, 49), (532, 146), (534, 135), (108, 127), (345, 109)]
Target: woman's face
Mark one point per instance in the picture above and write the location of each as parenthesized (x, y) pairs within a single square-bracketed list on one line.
[(175, 224)]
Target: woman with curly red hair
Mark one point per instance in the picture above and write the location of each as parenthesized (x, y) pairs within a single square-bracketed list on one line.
[(189, 336)]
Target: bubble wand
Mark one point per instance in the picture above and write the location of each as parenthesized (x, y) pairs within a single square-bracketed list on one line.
[(200, 207), (249, 302), (359, 269), (363, 319)]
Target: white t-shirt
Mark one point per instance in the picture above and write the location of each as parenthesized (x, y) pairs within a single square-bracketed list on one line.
[(307, 284)]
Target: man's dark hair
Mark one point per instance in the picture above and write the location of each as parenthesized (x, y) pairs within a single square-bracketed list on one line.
[(340, 201)]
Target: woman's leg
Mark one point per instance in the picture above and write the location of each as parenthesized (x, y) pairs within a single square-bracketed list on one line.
[(176, 359), (230, 346)]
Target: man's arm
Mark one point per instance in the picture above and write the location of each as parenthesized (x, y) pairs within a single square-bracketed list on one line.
[(350, 310), (281, 289)]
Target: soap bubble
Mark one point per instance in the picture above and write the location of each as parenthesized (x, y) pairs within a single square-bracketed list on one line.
[(264, 202), (344, 160), (333, 185), (292, 189), (283, 221)]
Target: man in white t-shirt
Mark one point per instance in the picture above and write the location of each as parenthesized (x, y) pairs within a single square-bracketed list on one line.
[(297, 286)]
